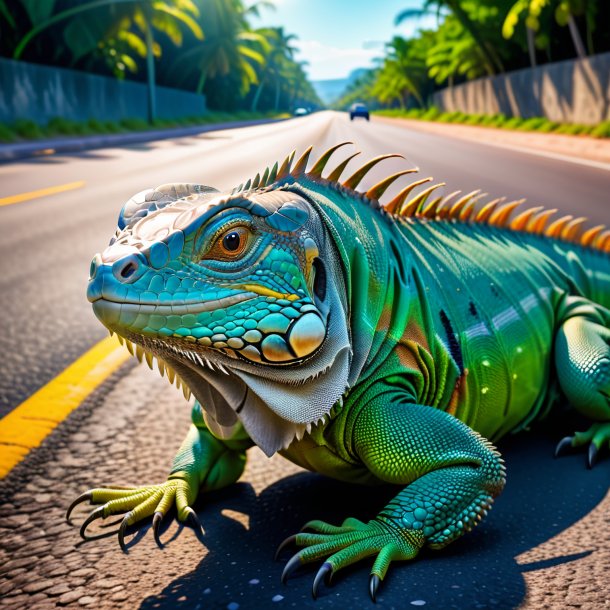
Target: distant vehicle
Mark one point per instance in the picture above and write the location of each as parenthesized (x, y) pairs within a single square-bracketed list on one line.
[(358, 110), (301, 112)]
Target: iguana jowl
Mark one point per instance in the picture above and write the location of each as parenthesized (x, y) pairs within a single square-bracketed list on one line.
[(370, 343)]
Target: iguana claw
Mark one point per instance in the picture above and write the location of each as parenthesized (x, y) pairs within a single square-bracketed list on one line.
[(595, 437), (373, 586), (287, 542), (82, 498), (156, 524), (293, 563), (122, 528), (97, 513), (324, 573), (563, 446), (592, 456)]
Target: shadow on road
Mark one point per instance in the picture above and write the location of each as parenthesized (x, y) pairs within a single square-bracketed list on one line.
[(543, 497)]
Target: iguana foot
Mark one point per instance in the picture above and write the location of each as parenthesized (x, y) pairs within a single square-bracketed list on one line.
[(596, 436), (349, 543), (139, 503)]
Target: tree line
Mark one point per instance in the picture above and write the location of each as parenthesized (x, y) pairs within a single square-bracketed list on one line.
[(476, 38), (204, 46)]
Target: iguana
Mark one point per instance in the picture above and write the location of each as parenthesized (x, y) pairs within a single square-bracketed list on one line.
[(371, 343)]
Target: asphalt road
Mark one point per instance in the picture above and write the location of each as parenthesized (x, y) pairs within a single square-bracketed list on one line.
[(544, 544)]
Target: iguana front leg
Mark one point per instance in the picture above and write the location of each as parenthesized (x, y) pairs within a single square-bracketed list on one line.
[(452, 475), (203, 463)]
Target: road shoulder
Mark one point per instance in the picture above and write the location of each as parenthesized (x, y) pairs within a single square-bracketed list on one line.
[(579, 147)]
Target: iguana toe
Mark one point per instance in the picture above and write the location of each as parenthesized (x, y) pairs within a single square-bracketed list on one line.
[(138, 503), (595, 438), (348, 544)]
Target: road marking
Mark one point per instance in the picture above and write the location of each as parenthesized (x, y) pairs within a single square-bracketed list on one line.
[(41, 193), (34, 419)]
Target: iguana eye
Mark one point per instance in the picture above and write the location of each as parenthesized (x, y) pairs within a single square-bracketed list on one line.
[(230, 244)]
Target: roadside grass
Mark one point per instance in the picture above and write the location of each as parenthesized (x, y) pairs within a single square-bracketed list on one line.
[(500, 121), (25, 129)]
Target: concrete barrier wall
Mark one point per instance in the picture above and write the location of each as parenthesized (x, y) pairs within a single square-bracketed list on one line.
[(574, 91), (39, 93)]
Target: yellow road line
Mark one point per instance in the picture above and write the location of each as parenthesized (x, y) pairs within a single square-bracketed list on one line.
[(34, 419), (42, 193)]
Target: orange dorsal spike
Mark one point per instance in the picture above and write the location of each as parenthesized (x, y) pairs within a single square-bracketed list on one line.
[(539, 222), (421, 198), (519, 223), (320, 164), (500, 217), (589, 235), (285, 167), (572, 230), (446, 205), (487, 210), (336, 173), (467, 211), (556, 227), (603, 241), (301, 164), (375, 192), (393, 206), (432, 210), (354, 180)]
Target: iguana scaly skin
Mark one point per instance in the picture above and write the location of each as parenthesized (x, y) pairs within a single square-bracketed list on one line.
[(369, 343)]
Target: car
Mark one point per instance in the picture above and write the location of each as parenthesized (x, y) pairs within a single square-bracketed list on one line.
[(358, 110), (301, 112)]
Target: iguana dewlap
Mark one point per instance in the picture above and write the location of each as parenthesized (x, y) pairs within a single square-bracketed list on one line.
[(371, 343)]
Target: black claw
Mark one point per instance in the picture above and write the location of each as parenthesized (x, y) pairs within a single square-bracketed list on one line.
[(156, 524), (122, 528), (82, 498), (592, 456), (193, 519), (288, 541), (563, 446), (98, 513), (291, 566), (323, 572), (374, 582)]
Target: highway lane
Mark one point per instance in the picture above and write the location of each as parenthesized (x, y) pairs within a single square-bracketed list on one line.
[(47, 243)]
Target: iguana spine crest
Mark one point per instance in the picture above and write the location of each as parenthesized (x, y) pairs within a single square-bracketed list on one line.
[(493, 213)]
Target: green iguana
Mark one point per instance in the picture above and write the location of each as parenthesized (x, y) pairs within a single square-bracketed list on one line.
[(371, 343)]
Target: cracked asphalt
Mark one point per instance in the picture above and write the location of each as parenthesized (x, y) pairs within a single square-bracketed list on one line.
[(546, 543)]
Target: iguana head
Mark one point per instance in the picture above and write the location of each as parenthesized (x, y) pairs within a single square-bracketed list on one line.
[(239, 295)]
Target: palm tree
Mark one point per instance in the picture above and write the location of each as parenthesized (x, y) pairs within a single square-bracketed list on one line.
[(230, 46), (280, 52), (147, 15), (454, 7), (565, 11)]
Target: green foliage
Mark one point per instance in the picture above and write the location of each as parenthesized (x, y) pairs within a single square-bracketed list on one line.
[(539, 124), (7, 134), (27, 129), (134, 124), (204, 46), (602, 130)]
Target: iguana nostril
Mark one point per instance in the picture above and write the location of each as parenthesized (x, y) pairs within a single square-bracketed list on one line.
[(128, 270)]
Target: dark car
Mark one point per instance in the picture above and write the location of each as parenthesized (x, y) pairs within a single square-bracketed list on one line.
[(358, 110)]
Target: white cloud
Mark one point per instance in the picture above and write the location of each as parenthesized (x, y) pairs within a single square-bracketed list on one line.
[(326, 62)]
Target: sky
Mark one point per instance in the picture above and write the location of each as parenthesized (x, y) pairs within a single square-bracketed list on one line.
[(338, 36)]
